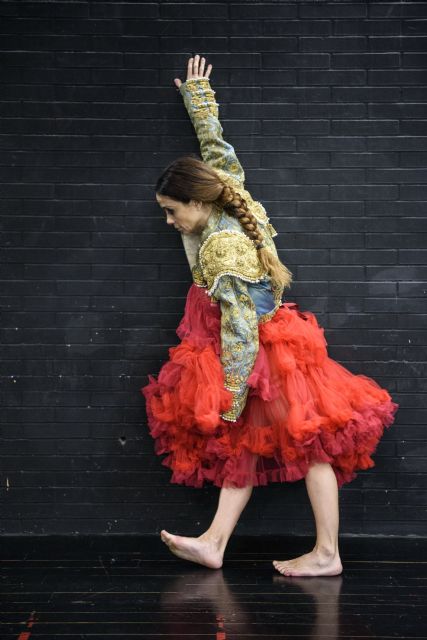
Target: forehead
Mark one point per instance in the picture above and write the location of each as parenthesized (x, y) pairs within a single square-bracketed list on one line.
[(165, 200)]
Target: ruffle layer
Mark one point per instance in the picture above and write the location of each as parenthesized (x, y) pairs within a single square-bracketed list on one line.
[(302, 407)]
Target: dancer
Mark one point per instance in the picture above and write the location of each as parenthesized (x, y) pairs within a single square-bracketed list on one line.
[(250, 395)]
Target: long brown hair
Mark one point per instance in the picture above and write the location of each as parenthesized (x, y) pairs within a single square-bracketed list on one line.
[(189, 178)]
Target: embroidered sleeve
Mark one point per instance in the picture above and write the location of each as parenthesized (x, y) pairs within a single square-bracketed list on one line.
[(199, 100), (228, 261), (239, 339)]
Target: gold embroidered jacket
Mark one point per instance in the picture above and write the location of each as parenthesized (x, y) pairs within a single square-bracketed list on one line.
[(224, 259)]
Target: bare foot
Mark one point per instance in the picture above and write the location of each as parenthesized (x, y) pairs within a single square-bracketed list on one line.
[(314, 563), (200, 550)]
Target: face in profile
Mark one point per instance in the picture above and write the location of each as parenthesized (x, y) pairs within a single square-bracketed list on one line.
[(186, 218)]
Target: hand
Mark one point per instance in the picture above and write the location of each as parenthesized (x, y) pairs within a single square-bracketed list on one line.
[(194, 70)]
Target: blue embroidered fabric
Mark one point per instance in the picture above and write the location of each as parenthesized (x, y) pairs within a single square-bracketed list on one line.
[(262, 296)]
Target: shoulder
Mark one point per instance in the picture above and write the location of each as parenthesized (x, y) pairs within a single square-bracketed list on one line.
[(229, 252)]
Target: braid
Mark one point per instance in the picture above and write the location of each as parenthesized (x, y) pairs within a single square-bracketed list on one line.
[(234, 201), (236, 205)]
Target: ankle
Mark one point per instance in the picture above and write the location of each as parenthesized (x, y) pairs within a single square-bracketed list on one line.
[(218, 540), (326, 550)]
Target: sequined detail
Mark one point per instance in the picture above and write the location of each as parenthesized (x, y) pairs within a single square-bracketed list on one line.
[(229, 252), (198, 275), (239, 402), (202, 97), (199, 100), (239, 338)]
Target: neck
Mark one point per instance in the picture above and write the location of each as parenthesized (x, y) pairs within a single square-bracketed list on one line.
[(204, 218)]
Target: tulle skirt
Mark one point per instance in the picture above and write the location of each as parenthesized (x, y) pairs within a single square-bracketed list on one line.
[(302, 407)]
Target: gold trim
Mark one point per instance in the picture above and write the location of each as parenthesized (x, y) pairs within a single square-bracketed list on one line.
[(269, 315), (239, 402), (272, 230), (203, 102), (229, 252)]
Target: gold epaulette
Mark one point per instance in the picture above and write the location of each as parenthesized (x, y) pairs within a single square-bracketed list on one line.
[(229, 252), (254, 206)]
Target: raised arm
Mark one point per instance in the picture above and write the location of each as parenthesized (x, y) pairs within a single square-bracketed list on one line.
[(199, 100)]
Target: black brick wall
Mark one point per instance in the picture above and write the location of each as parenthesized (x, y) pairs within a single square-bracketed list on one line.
[(325, 103)]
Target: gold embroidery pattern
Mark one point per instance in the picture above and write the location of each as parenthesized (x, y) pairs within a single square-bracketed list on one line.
[(202, 97), (239, 402), (199, 100), (229, 252), (216, 270), (239, 339), (198, 276)]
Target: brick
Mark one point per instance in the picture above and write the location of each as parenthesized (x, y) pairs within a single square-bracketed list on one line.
[(324, 103)]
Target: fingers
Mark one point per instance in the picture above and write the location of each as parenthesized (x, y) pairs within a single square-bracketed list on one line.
[(190, 69), (202, 73), (196, 68)]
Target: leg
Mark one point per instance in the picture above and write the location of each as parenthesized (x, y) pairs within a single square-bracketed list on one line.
[(208, 549), (324, 559)]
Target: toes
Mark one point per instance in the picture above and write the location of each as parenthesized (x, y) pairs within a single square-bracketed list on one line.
[(280, 568), (283, 569), (166, 537)]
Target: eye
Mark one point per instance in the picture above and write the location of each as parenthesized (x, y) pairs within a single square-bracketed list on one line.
[(170, 210)]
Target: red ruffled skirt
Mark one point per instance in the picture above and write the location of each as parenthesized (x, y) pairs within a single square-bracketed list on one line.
[(302, 406)]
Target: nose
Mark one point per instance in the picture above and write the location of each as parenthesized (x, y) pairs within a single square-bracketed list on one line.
[(169, 219)]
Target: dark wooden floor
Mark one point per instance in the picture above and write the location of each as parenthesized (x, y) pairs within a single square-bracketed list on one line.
[(131, 587)]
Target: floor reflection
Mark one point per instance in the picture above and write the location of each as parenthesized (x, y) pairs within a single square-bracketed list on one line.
[(132, 588), (237, 609)]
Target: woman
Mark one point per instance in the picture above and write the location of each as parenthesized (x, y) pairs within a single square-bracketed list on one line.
[(250, 395)]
